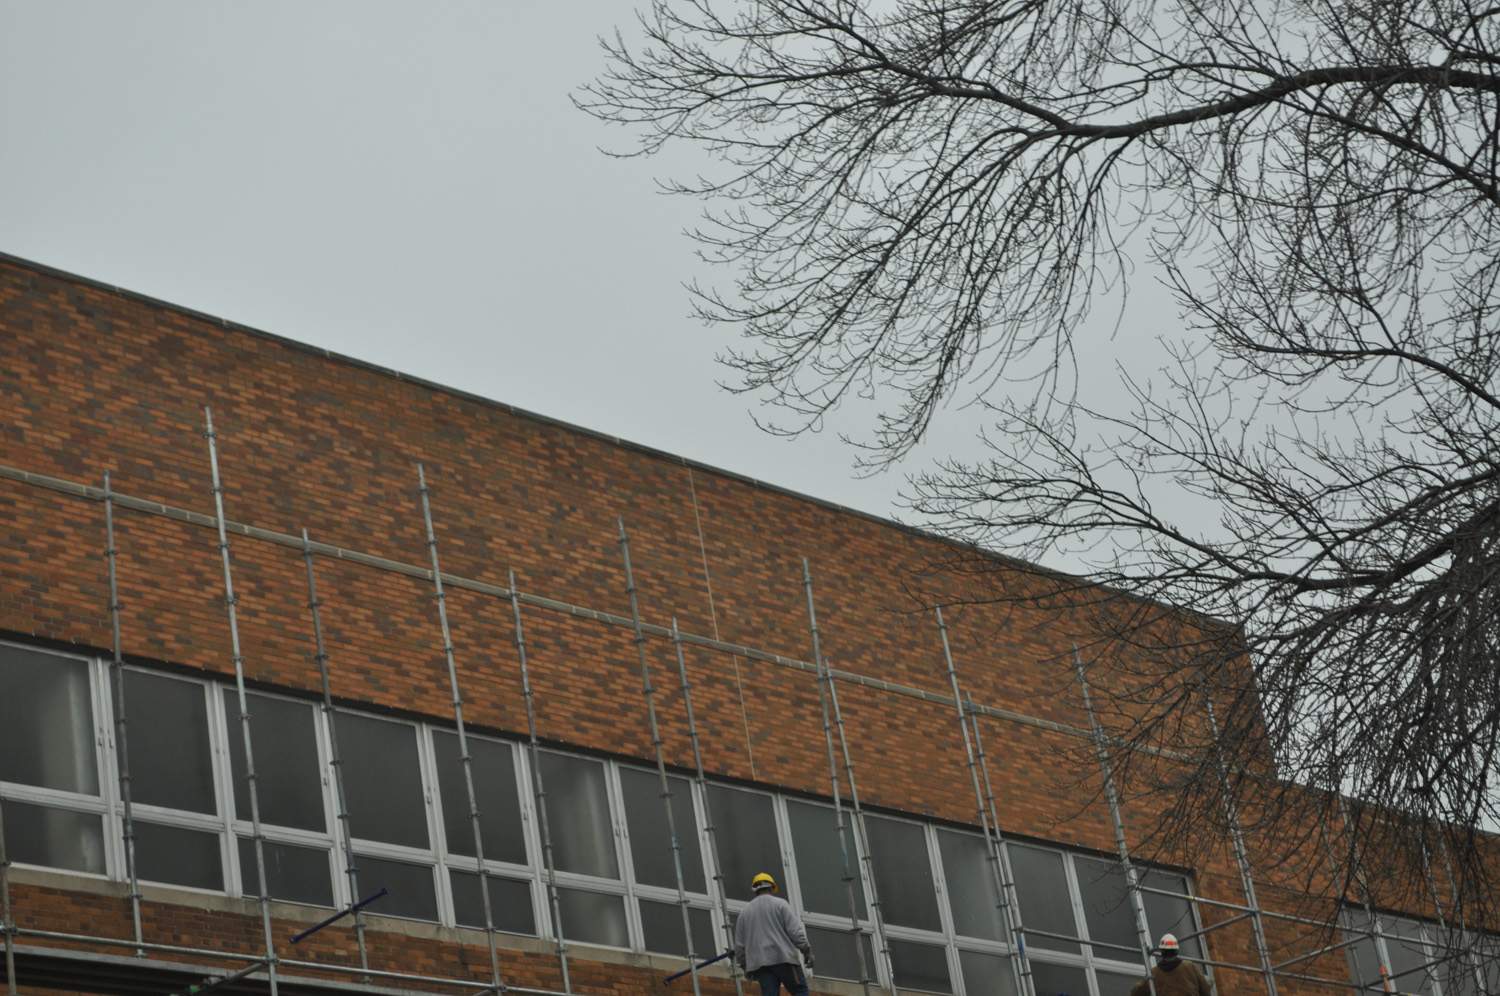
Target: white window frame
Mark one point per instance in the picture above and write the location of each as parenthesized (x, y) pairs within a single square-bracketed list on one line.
[(79, 802)]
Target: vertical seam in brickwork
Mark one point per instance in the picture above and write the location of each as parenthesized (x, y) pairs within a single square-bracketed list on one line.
[(713, 618)]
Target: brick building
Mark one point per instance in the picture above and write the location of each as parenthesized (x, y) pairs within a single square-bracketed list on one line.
[(97, 379)]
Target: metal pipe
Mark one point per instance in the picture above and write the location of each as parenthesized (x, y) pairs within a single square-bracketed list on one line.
[(989, 796), (649, 694), (117, 683), (715, 868), (335, 759), (334, 918), (215, 981), (539, 789), (458, 720), (856, 932), (1142, 930), (862, 834), (694, 969), (230, 604), (7, 926), (1010, 913), (1241, 856)]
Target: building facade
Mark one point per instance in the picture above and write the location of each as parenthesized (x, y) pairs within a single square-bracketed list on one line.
[(578, 854)]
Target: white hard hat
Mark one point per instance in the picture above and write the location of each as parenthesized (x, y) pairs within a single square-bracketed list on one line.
[(1169, 944)]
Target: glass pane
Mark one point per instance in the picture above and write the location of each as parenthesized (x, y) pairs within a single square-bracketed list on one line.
[(650, 843), (289, 782), (920, 966), (56, 838), (593, 917), (411, 892), (1458, 971), (903, 874), (170, 761), (382, 780), (495, 791), (835, 954), (1108, 909), (972, 895), (1043, 894), (46, 722), (510, 903), (987, 974), (1058, 980), (294, 874), (583, 838), (662, 925), (1364, 960), (1408, 954), (1116, 984), (821, 863), (175, 856), (745, 830), (1167, 914)]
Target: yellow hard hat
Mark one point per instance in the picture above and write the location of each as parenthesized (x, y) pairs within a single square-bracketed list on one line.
[(762, 881)]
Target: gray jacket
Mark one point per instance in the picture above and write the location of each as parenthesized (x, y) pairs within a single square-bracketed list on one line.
[(769, 932)]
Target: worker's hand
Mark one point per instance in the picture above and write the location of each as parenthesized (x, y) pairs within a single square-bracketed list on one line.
[(807, 960)]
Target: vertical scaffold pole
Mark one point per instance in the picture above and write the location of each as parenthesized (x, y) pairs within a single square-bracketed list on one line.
[(861, 834), (1132, 883), (117, 683), (539, 790), (715, 869), (335, 759), (1376, 933), (1356, 873), (463, 740), (1241, 855), (1473, 959), (251, 783), (971, 711), (877, 915), (994, 840), (649, 694), (840, 828), (7, 926)]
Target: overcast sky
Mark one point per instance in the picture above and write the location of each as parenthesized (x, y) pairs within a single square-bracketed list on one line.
[(405, 182)]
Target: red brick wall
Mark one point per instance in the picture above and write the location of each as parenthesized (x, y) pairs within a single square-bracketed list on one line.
[(92, 379)]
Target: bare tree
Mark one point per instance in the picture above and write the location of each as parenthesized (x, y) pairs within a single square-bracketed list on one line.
[(919, 200)]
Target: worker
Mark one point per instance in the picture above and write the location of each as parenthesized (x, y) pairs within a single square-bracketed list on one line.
[(1172, 976), (767, 937)]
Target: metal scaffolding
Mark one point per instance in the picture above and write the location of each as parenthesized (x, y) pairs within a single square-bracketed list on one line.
[(464, 758), (649, 694), (850, 823), (231, 607)]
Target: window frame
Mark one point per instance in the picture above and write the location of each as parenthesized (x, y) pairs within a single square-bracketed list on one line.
[(103, 744)]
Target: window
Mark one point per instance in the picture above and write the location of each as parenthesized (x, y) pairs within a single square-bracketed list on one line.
[(382, 780), (410, 887), (583, 839), (289, 788), (495, 792), (745, 825), (49, 763), (989, 974), (171, 763), (970, 876), (661, 928), (650, 841), (822, 865), (174, 855), (502, 833), (920, 966), (1058, 980), (903, 873), (593, 917), (836, 955), (1044, 897)]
